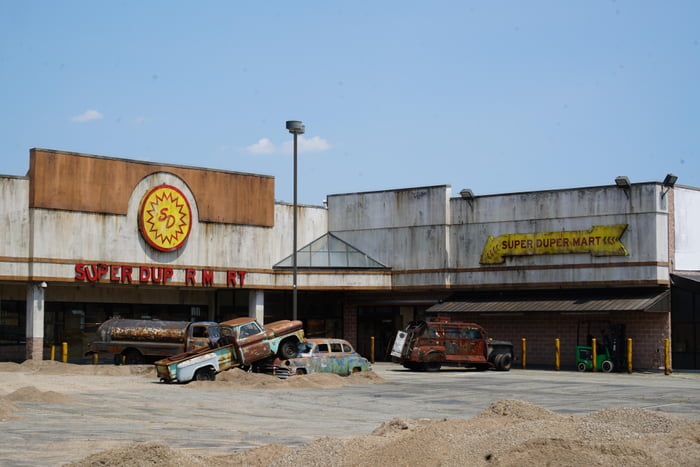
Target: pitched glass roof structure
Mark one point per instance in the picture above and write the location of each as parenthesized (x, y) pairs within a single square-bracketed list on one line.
[(330, 252)]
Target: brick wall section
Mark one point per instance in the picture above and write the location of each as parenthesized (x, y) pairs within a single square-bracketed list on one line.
[(647, 331), (350, 324)]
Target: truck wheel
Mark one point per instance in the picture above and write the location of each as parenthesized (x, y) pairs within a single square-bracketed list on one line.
[(133, 357), (432, 366), (503, 361), (607, 366), (288, 349), (581, 366), (205, 374)]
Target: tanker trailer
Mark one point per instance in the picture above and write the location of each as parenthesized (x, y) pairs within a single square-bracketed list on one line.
[(136, 341)]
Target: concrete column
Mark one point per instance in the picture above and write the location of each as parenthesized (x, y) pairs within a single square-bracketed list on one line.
[(256, 305), (35, 321)]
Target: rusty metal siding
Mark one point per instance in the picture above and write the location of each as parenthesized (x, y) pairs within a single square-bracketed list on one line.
[(572, 302), (80, 182)]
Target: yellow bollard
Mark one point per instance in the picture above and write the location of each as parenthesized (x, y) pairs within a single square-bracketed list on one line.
[(64, 352), (557, 354), (371, 351), (667, 356), (594, 350), (629, 355), (95, 358), (524, 353), (53, 352)]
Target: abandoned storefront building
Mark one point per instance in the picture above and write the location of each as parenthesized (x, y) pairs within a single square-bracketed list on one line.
[(86, 238)]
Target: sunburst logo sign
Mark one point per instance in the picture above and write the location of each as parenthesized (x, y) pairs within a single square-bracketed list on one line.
[(165, 218)]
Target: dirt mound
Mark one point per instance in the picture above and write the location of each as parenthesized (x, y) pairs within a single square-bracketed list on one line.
[(239, 379), (507, 433), (52, 367), (7, 409), (140, 455), (32, 394), (520, 410)]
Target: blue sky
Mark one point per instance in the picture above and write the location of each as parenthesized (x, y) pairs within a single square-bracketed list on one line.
[(495, 96)]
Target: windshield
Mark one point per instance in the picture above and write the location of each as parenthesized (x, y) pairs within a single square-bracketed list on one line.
[(305, 347)]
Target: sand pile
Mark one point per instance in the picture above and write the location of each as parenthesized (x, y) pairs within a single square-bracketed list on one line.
[(507, 433), (27, 394), (239, 379), (52, 367)]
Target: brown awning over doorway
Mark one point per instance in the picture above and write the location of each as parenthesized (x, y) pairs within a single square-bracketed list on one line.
[(563, 302)]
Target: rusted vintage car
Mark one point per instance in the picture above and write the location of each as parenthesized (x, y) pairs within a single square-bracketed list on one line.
[(318, 355)]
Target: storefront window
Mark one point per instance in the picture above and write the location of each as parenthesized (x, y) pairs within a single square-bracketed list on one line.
[(12, 322)]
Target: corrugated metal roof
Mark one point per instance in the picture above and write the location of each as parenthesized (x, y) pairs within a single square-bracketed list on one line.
[(560, 302)]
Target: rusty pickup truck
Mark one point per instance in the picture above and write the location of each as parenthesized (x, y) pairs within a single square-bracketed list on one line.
[(430, 344), (243, 341)]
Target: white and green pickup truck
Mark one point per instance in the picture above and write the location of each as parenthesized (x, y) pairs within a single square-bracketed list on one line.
[(242, 342)]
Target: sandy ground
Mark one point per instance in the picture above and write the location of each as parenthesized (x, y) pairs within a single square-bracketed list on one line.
[(507, 433)]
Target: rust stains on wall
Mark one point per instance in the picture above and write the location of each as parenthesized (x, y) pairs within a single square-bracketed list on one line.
[(87, 183)]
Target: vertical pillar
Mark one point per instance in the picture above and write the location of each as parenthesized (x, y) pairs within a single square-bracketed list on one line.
[(35, 321), (256, 305)]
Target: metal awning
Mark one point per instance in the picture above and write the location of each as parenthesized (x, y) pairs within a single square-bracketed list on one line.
[(562, 302)]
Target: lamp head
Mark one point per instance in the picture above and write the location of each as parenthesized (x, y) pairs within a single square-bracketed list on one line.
[(295, 127), (670, 180)]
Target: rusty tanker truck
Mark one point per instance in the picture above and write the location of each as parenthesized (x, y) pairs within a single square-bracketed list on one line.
[(137, 341)]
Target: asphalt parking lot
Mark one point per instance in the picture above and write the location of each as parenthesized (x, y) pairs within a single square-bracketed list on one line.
[(109, 411)]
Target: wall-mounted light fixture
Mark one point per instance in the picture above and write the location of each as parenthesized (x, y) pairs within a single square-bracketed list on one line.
[(670, 180), (467, 194), (623, 182), (668, 183)]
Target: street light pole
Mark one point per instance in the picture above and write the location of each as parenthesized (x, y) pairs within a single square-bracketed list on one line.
[(295, 127)]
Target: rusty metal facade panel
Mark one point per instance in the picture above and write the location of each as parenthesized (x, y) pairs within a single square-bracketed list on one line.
[(79, 182), (639, 301)]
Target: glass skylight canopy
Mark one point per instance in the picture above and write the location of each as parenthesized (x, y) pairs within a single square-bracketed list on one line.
[(331, 252)]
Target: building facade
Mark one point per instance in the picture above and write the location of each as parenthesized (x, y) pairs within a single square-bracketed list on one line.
[(86, 238)]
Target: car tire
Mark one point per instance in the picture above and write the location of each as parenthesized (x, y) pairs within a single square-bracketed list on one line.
[(288, 349), (503, 361), (581, 366), (607, 366), (205, 374), (133, 357)]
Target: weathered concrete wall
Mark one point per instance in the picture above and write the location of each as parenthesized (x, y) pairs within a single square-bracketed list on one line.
[(404, 229), (63, 239), (430, 239), (687, 229), (15, 233), (643, 209)]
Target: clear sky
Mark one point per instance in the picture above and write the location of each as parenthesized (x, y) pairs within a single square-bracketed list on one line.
[(496, 96)]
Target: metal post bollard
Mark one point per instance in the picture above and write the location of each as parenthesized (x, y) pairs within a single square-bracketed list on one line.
[(557, 354), (524, 353), (95, 358), (594, 350), (629, 355), (53, 352), (64, 352), (371, 352), (667, 356)]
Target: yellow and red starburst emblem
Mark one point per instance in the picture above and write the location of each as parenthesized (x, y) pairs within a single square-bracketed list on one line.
[(165, 218)]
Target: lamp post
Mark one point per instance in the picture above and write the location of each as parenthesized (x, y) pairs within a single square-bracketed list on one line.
[(295, 127)]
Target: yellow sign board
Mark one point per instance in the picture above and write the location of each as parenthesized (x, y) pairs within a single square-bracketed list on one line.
[(165, 218), (600, 240)]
